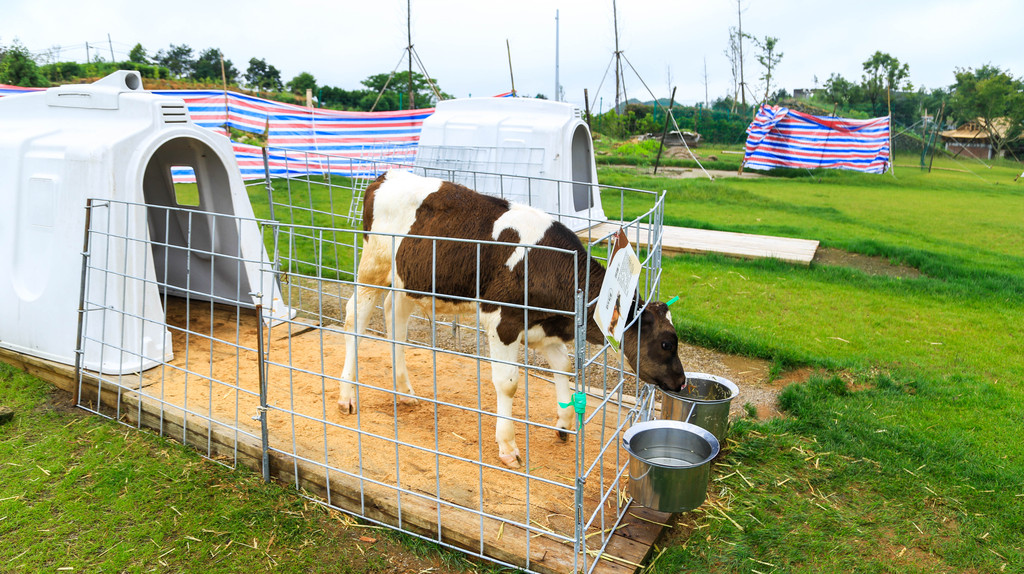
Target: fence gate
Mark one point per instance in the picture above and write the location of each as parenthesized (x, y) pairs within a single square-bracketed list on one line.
[(168, 324)]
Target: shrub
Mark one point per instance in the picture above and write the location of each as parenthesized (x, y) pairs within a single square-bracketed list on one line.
[(17, 68)]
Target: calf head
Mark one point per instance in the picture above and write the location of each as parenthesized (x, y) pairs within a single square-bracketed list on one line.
[(655, 358)]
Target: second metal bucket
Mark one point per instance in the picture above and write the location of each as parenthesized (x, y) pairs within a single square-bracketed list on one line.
[(705, 402), (669, 464)]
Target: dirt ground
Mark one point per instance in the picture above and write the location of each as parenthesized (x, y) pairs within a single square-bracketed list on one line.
[(369, 549), (441, 448), (868, 264)]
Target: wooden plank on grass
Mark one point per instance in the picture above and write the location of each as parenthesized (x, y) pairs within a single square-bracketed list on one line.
[(688, 240)]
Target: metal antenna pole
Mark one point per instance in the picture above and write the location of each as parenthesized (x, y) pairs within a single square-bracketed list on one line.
[(618, 67), (706, 99), (557, 90), (408, 29), (739, 20)]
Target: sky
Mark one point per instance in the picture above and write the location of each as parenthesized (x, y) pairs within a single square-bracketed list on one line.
[(466, 45)]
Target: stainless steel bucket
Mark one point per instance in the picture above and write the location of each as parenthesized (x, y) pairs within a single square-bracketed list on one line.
[(669, 464), (704, 402)]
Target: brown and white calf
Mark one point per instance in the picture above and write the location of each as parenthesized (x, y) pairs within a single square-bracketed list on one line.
[(460, 272)]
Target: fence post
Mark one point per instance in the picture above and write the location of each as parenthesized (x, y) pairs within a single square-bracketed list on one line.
[(266, 178), (579, 404), (79, 343), (262, 408)]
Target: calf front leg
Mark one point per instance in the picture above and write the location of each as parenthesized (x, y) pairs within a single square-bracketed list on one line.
[(558, 359), (505, 376)]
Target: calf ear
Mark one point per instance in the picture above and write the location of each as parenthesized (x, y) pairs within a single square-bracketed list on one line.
[(654, 310)]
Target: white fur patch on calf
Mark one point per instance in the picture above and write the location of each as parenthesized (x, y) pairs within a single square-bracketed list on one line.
[(530, 223), (397, 199)]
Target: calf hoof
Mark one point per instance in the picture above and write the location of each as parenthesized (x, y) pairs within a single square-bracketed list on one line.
[(511, 460), (407, 401), (347, 406)]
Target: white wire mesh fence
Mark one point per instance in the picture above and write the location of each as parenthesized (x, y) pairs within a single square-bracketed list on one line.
[(244, 385)]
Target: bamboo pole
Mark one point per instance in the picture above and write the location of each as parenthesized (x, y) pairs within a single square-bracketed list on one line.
[(227, 108), (586, 107), (938, 125), (508, 48), (892, 154), (664, 131)]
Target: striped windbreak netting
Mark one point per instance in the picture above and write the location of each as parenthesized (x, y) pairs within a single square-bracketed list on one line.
[(301, 139), (781, 137), (304, 139)]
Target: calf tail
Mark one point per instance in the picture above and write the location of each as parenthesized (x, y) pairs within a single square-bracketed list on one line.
[(368, 201)]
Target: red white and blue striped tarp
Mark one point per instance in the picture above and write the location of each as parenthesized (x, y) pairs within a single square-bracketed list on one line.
[(781, 137), (302, 139), (8, 90)]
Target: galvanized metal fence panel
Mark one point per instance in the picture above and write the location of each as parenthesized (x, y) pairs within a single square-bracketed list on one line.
[(248, 385), (201, 384)]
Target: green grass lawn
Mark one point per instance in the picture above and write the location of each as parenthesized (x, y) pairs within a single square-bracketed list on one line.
[(900, 454), (923, 466)]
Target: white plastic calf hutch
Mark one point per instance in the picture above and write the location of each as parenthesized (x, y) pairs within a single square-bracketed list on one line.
[(117, 144), (526, 150)]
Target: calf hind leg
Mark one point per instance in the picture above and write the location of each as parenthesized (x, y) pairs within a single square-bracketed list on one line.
[(398, 308), (357, 315), (374, 269)]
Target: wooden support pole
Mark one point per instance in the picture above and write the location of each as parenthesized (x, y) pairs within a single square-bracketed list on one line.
[(586, 108), (664, 131), (512, 77), (938, 126), (888, 105)]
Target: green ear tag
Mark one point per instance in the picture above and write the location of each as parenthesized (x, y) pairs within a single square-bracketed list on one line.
[(671, 301)]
